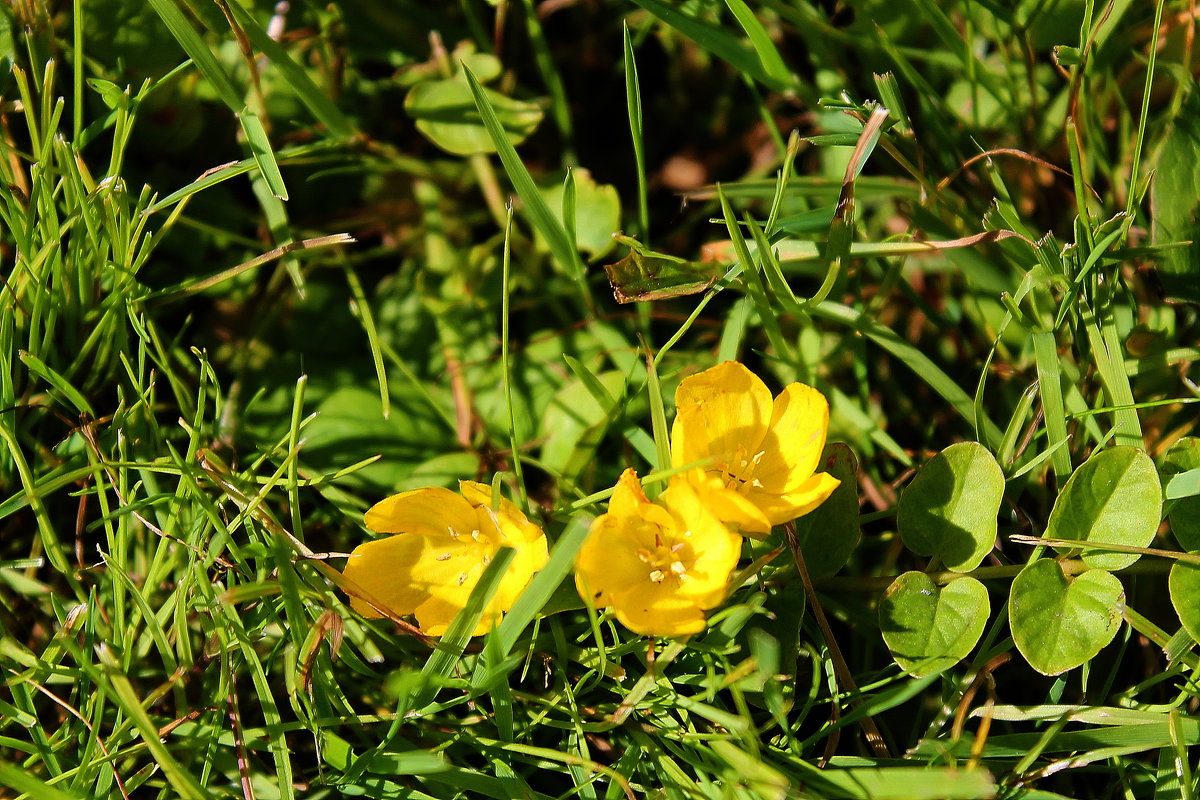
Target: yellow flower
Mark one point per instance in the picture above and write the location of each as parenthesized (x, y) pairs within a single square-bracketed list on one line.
[(657, 566), (443, 543), (763, 454)]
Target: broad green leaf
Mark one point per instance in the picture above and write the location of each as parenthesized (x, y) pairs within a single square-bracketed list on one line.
[(442, 470), (949, 510), (829, 534), (1059, 622), (574, 422), (930, 628), (1184, 513), (349, 422), (1114, 497), (1175, 204), (597, 213), (1184, 586), (446, 114)]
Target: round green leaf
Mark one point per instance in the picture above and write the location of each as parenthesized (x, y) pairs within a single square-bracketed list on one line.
[(1114, 497), (1059, 622), (1184, 585), (1184, 513), (930, 628), (829, 534), (446, 114), (597, 213), (949, 510)]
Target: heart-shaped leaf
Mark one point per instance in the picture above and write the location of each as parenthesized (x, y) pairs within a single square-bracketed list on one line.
[(1114, 497), (930, 628), (1184, 513), (1184, 585), (1059, 622), (829, 534), (949, 510), (446, 114)]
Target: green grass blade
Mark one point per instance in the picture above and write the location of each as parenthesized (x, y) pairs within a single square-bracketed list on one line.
[(198, 52), (264, 156), (294, 76), (1045, 352), (180, 779), (768, 54), (16, 778), (535, 206), (633, 106), (715, 40)]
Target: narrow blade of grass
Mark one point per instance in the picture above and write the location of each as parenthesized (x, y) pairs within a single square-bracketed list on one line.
[(535, 206)]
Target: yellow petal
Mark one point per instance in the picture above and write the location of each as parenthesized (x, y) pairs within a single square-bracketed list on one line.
[(530, 556), (792, 446), (781, 508), (432, 510), (608, 564), (435, 615), (629, 503), (514, 523), (384, 569), (653, 610), (710, 551), (726, 504), (716, 411)]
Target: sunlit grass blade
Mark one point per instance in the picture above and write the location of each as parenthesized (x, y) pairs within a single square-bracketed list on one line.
[(760, 40), (198, 52), (633, 106), (535, 206), (715, 40), (315, 100)]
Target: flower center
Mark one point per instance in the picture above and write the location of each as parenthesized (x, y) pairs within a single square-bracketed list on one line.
[(666, 561), (737, 472)]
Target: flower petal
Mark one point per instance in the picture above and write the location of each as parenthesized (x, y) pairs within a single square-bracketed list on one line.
[(792, 447), (728, 505), (653, 609), (781, 508), (383, 569), (716, 411), (530, 556), (435, 614), (710, 551), (513, 523), (629, 504), (432, 510), (607, 564)]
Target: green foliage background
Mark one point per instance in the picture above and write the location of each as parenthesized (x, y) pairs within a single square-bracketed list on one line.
[(246, 294)]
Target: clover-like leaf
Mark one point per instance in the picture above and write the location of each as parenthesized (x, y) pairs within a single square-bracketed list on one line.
[(930, 628), (597, 213), (1059, 622), (445, 112), (949, 510), (1184, 587), (1183, 511), (829, 534), (1114, 497)]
